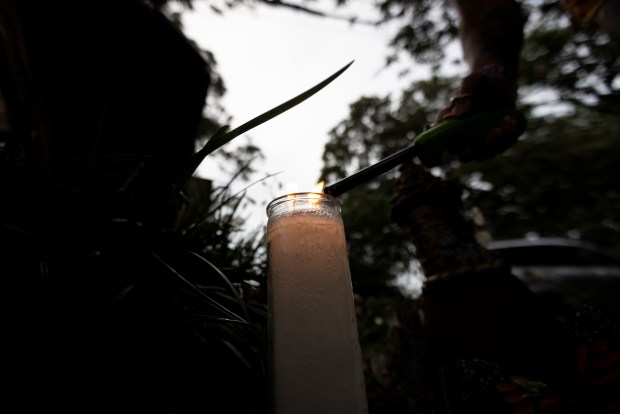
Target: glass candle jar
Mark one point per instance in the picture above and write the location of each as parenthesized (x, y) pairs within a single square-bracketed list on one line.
[(315, 359)]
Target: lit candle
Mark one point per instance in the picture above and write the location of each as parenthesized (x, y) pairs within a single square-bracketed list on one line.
[(315, 358)]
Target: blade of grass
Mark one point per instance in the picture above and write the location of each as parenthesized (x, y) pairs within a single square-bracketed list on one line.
[(238, 193), (182, 175), (228, 282), (216, 142), (217, 305), (222, 137)]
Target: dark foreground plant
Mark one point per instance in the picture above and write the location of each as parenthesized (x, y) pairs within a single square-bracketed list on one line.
[(145, 301)]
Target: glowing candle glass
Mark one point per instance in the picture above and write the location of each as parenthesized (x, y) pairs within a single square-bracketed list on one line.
[(315, 358)]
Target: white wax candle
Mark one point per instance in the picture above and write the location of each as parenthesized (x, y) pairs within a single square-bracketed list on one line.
[(316, 364)]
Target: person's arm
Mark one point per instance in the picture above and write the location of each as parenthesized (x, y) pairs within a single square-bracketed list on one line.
[(491, 34)]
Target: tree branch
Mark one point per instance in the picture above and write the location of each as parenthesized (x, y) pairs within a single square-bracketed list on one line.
[(316, 12)]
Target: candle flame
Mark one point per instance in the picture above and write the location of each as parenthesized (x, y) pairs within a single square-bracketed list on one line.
[(292, 189), (314, 195), (318, 188)]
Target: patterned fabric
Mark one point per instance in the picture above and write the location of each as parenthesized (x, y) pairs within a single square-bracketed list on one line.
[(594, 386), (496, 346)]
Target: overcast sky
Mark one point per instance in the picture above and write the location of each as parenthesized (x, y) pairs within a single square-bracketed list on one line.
[(268, 55)]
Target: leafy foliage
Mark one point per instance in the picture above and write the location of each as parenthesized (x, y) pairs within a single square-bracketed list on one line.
[(173, 300), (564, 168), (377, 127), (134, 279), (559, 180)]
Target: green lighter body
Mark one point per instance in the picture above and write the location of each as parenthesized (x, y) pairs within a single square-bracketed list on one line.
[(430, 146), (433, 142)]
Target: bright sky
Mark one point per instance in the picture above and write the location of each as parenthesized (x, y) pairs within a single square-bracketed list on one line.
[(268, 55)]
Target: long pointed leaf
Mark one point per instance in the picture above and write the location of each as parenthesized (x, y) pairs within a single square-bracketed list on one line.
[(182, 174), (216, 142), (219, 138), (214, 303)]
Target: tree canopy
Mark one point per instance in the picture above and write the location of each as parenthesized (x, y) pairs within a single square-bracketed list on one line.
[(562, 165), (559, 179)]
